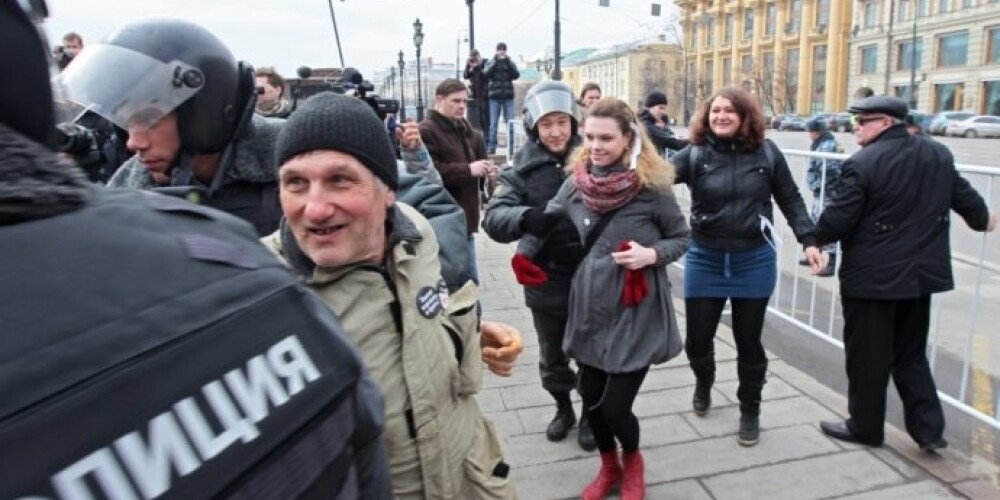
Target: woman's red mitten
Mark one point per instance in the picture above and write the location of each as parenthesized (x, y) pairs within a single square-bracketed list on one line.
[(527, 272), (635, 287)]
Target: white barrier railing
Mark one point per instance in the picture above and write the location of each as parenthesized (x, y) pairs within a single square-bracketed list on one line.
[(960, 357)]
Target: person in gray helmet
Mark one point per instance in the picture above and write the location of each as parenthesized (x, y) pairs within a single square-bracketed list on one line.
[(518, 209)]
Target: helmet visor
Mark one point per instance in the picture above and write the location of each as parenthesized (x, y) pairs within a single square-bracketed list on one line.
[(549, 101), (126, 87)]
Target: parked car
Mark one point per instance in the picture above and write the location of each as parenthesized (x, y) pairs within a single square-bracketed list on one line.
[(923, 120), (775, 121), (792, 123), (840, 122), (976, 126), (942, 119)]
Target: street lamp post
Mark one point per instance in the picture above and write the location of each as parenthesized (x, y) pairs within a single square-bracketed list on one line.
[(556, 71), (913, 64), (472, 23), (418, 40), (402, 84)]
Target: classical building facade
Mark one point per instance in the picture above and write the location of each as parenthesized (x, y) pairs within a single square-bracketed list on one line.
[(791, 53), (955, 43), (630, 71)]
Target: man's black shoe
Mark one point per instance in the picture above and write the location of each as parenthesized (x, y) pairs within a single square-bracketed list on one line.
[(585, 436), (933, 446), (561, 424), (839, 430)]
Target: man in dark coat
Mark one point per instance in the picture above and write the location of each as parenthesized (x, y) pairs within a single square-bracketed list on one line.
[(501, 73), (459, 153), (654, 120), (891, 214), (479, 114)]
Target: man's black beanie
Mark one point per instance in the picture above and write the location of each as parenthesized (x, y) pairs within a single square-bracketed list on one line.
[(340, 123), (25, 94), (655, 98)]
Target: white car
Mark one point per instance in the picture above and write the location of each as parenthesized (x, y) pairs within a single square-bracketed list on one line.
[(976, 126)]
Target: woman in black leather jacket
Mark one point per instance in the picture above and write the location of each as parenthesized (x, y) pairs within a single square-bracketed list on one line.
[(733, 179)]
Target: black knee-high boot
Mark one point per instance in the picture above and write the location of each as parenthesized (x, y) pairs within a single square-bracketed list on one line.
[(751, 384), (704, 373)]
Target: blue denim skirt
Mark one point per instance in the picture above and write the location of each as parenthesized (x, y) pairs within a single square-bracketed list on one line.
[(716, 273)]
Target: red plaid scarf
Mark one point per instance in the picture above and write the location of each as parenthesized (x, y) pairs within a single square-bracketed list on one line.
[(603, 193)]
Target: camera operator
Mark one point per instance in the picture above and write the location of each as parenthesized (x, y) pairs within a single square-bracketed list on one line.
[(479, 85), (97, 145), (188, 107)]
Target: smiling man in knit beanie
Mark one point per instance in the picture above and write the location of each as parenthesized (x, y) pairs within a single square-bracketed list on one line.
[(375, 263)]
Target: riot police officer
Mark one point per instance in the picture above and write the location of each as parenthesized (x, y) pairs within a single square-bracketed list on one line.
[(188, 106)]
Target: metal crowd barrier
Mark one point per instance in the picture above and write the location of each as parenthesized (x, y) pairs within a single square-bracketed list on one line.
[(962, 323)]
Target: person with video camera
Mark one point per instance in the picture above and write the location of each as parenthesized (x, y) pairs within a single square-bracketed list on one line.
[(188, 106), (501, 72), (479, 87), (138, 327)]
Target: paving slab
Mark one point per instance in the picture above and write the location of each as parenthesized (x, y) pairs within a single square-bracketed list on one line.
[(811, 478)]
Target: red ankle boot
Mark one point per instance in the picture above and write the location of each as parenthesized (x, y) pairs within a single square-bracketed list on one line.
[(633, 476), (609, 476)]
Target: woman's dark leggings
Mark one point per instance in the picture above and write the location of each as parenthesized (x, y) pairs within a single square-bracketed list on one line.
[(607, 399), (748, 321)]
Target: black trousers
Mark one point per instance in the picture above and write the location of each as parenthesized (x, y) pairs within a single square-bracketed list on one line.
[(553, 365), (702, 315), (607, 401), (883, 338)]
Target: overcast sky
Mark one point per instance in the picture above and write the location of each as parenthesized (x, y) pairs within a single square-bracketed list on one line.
[(292, 33)]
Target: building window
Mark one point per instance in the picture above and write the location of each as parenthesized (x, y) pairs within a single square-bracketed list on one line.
[(822, 12), (818, 101), (948, 97), (770, 19), (766, 78), (869, 59), (905, 56), (943, 6), (709, 77), (922, 6), (748, 24), (993, 46), (791, 79), (710, 32), (991, 98), (967, 3), (727, 71), (728, 34), (953, 49), (794, 24), (871, 14), (746, 65), (901, 91)]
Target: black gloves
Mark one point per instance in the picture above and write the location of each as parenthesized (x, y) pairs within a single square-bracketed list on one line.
[(536, 222)]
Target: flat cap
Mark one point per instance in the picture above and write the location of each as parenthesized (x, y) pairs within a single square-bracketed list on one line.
[(887, 105)]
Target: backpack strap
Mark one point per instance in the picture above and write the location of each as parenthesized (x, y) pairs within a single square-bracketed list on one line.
[(693, 159)]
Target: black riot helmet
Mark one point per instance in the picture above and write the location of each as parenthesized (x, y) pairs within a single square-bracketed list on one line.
[(544, 98), (148, 68)]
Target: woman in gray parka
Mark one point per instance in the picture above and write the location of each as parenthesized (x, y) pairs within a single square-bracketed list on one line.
[(621, 317)]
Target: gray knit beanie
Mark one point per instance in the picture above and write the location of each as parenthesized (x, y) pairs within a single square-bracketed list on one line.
[(340, 123)]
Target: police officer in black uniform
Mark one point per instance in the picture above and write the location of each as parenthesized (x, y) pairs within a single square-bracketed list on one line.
[(188, 106), (891, 213), (125, 313)]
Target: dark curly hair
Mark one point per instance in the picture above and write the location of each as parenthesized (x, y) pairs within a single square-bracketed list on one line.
[(751, 132)]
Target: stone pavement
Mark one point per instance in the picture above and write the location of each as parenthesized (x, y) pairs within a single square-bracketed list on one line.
[(691, 457)]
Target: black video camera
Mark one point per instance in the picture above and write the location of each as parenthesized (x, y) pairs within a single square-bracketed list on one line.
[(79, 142), (350, 81)]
